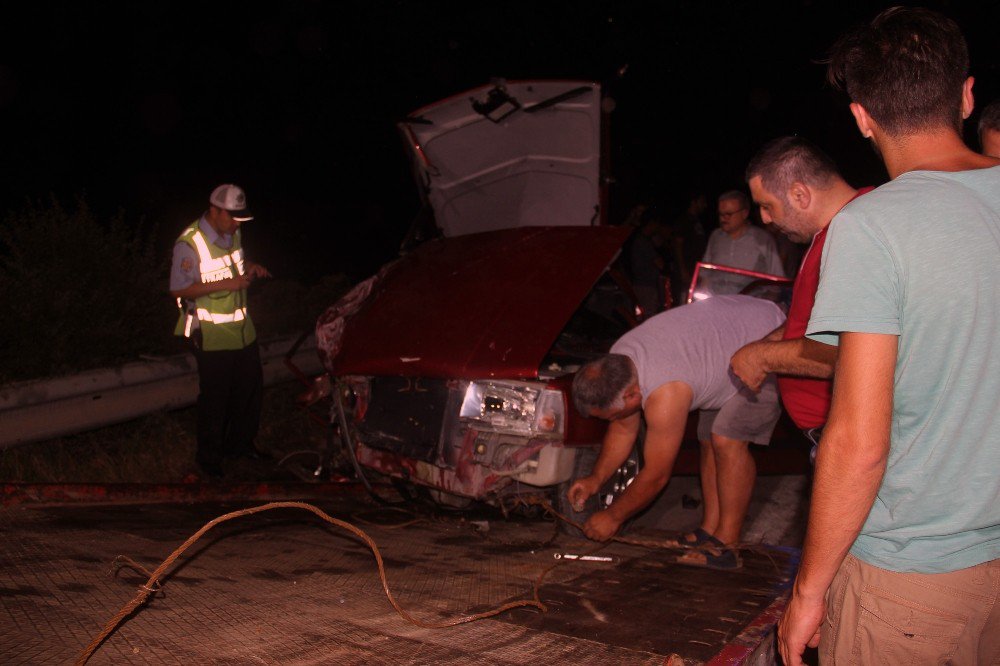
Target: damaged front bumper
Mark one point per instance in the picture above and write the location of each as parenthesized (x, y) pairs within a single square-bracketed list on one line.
[(467, 438)]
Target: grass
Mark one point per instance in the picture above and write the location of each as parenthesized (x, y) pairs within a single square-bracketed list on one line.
[(160, 448)]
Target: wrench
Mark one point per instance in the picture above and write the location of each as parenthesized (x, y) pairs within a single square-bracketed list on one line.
[(585, 558)]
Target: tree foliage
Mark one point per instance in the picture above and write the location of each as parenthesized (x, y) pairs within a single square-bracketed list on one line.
[(77, 292)]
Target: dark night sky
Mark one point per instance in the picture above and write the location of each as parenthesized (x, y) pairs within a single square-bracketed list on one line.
[(146, 106)]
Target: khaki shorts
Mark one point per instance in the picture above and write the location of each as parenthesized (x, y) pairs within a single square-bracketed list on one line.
[(746, 417), (875, 616)]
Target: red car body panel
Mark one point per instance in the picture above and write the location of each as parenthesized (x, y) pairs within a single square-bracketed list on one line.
[(469, 306)]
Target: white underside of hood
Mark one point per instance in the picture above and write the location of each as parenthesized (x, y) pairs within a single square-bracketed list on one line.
[(535, 163)]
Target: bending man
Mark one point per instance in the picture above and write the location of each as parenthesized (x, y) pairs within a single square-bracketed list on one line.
[(675, 362)]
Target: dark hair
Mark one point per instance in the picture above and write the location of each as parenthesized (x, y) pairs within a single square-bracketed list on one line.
[(790, 159), (906, 68), (989, 119), (600, 383)]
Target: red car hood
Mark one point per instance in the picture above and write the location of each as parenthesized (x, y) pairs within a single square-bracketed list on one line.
[(475, 306)]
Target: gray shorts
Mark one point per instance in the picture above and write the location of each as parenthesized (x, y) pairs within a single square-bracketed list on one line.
[(746, 416)]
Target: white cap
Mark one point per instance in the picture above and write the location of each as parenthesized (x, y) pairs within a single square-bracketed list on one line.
[(231, 197)]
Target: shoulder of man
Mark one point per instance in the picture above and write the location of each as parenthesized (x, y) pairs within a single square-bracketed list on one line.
[(185, 255), (187, 232), (667, 402)]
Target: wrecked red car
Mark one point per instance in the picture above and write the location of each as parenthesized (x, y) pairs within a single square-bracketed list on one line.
[(452, 365), (451, 368)]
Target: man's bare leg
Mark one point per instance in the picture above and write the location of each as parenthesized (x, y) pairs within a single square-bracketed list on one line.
[(709, 489), (736, 472), (709, 494)]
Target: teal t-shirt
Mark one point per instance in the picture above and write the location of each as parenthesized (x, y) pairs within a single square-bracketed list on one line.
[(919, 258)]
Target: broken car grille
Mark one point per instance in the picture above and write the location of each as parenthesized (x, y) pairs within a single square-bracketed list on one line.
[(404, 415)]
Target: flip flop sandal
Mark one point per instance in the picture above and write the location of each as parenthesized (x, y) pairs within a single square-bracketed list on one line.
[(727, 560), (700, 537)]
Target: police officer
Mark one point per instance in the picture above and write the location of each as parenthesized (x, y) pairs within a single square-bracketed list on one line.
[(209, 277)]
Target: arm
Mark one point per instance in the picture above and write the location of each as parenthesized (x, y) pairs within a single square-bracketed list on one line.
[(185, 282), (801, 357), (666, 416), (709, 256), (197, 289), (256, 270), (849, 470), (618, 442), (775, 335)]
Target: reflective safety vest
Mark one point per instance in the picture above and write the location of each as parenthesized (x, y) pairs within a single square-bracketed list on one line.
[(222, 315)]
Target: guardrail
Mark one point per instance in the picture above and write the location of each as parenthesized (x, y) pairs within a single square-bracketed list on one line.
[(42, 409)]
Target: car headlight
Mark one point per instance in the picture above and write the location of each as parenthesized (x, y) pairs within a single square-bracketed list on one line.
[(516, 407)]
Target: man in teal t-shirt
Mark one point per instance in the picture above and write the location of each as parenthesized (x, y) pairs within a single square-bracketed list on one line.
[(900, 563), (918, 262)]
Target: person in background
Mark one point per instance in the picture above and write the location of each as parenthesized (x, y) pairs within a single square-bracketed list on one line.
[(688, 242), (739, 244), (901, 562), (647, 264), (209, 277), (989, 129)]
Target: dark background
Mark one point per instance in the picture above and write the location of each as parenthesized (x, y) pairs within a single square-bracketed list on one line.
[(145, 107)]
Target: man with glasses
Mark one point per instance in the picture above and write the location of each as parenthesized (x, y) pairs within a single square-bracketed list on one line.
[(739, 244)]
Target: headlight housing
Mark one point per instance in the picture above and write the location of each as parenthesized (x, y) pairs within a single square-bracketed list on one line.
[(513, 407)]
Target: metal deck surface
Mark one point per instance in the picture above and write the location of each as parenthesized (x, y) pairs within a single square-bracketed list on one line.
[(284, 587)]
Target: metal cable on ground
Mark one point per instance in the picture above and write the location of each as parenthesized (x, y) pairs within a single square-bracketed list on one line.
[(153, 584)]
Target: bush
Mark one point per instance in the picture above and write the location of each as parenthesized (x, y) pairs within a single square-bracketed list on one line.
[(77, 293)]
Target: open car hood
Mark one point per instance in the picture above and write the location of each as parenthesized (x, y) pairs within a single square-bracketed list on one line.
[(477, 306), (513, 154)]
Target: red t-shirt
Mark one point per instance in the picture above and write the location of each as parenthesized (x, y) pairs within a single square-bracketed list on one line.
[(807, 400)]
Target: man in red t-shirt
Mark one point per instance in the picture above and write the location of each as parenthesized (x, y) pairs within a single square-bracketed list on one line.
[(799, 190)]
